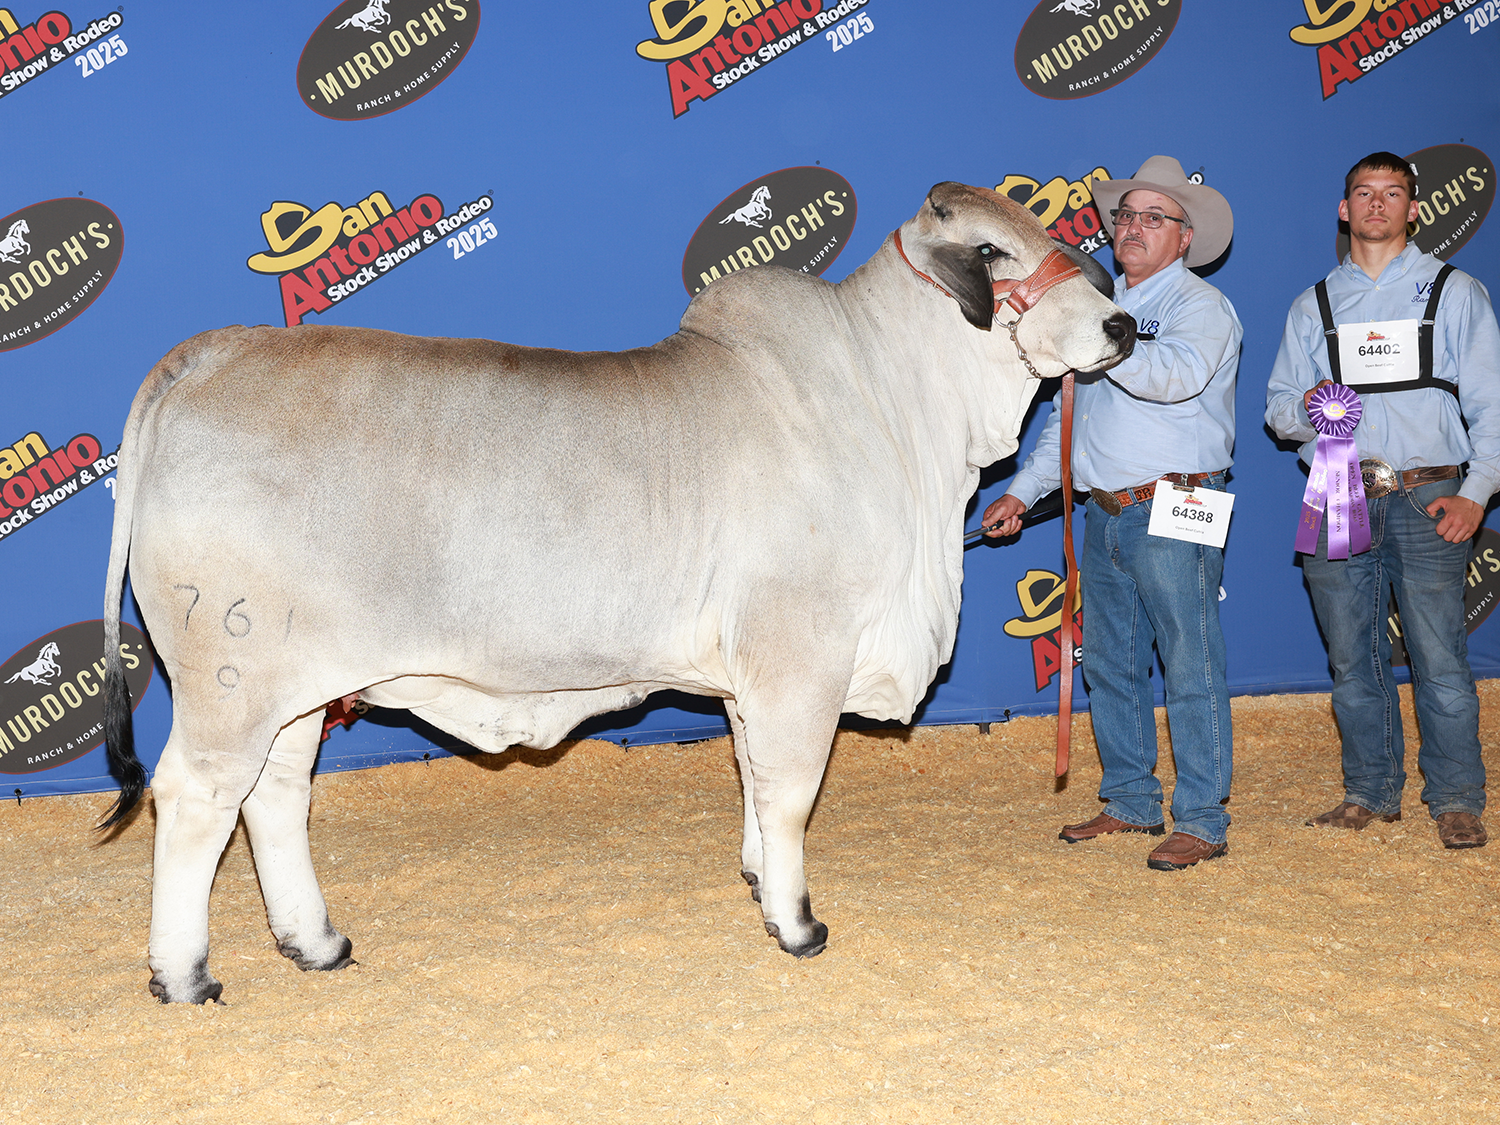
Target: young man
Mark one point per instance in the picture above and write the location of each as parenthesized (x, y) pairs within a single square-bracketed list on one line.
[(1167, 411), (1426, 410)]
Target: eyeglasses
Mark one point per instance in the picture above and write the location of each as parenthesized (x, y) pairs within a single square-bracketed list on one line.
[(1151, 220)]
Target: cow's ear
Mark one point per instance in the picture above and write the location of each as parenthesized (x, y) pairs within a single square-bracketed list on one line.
[(960, 270), (1093, 272)]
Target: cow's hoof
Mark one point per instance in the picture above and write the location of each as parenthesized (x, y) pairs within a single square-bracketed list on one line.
[(814, 935), (338, 958), (199, 987), (754, 880), (815, 943)]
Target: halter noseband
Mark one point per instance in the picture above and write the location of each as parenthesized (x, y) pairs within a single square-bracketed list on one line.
[(1020, 295)]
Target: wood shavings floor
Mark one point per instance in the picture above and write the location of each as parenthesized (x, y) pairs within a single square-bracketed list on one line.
[(564, 937)]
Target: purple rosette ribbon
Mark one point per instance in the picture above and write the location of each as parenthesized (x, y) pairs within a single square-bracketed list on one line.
[(1334, 481)]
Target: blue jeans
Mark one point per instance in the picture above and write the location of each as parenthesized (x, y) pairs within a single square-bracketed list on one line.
[(1350, 597), (1140, 590)]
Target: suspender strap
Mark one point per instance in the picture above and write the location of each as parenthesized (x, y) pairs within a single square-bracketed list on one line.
[(1425, 377), (1330, 332), (1424, 333)]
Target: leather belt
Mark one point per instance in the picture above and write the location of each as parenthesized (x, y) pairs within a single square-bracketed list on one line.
[(1381, 480), (1116, 502)]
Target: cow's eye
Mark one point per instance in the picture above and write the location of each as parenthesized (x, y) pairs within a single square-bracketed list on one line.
[(990, 253)]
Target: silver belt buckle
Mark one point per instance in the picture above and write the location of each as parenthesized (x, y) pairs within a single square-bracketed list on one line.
[(1379, 478), (1107, 500)]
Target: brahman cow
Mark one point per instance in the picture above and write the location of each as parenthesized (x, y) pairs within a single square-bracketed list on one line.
[(766, 507)]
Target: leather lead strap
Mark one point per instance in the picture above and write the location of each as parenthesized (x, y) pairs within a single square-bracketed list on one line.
[(1070, 585)]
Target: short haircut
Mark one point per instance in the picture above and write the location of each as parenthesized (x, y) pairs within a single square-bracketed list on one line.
[(1383, 162)]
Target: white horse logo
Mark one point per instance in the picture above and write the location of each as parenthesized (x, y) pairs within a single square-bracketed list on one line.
[(1077, 7), (13, 245), (370, 17), (751, 213), (43, 669)]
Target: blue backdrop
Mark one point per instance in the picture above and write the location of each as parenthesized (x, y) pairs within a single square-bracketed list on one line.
[(602, 140)]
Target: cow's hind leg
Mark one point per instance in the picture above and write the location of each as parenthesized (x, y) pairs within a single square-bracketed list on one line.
[(752, 856), (197, 790), (787, 737), (276, 815)]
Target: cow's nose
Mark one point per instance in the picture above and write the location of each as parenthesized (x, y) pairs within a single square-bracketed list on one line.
[(1121, 327)]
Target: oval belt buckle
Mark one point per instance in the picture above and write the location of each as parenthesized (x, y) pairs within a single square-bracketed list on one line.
[(1379, 478), (1107, 500)]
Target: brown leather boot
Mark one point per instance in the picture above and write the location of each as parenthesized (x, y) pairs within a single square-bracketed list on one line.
[(1182, 850), (1461, 830), (1103, 825), (1350, 815)]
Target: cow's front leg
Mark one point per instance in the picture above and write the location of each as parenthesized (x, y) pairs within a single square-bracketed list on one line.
[(197, 797), (787, 741), (752, 857), (276, 815)]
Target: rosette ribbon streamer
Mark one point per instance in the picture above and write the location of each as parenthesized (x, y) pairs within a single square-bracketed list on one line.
[(1334, 481)]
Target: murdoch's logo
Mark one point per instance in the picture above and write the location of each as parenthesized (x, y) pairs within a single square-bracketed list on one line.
[(1455, 189), (56, 257), (1076, 48), (800, 218), (371, 57), (52, 699)]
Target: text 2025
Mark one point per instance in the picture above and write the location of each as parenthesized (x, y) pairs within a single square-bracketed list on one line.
[(467, 241), (1482, 16), (849, 30), (97, 58)]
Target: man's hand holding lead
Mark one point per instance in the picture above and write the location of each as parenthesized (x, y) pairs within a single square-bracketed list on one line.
[(1003, 517)]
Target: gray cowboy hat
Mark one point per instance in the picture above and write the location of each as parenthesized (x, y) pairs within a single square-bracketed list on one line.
[(1213, 222)]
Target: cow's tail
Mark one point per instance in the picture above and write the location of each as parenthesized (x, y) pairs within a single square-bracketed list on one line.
[(119, 733)]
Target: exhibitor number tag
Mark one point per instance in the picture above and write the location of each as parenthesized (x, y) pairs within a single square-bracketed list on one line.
[(1383, 351), (1195, 515)]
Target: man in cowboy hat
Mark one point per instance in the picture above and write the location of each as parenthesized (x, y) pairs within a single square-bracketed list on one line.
[(1159, 426), (1426, 409)]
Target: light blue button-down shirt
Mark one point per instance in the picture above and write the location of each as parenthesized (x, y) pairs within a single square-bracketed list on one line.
[(1405, 429), (1169, 408)]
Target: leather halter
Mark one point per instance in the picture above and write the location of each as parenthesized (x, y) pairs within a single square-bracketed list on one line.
[(1022, 296), (1070, 586)]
